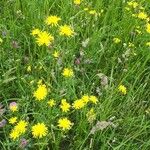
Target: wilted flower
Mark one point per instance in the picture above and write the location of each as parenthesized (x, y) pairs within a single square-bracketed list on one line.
[(91, 115), (23, 143), (2, 110), (13, 106), (3, 123), (101, 125), (15, 44)]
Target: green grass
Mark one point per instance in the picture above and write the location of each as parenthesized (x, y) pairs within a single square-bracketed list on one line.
[(101, 55)]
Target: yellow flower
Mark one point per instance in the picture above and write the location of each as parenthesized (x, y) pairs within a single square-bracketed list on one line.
[(67, 72), (148, 28), (142, 15), (64, 105), (12, 120), (65, 124), (29, 69), (148, 44), (39, 130), (116, 40), (85, 98), (51, 103), (52, 20), (21, 126), (35, 32), (41, 92), (56, 54), (122, 89), (14, 134), (92, 12), (44, 38), (66, 30), (93, 99), (77, 2), (18, 130), (133, 4), (78, 104)]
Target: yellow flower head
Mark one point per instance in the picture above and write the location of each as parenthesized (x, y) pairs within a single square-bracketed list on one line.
[(41, 92), (116, 40), (51, 103), (35, 32), (56, 54), (85, 98), (12, 120), (142, 15), (78, 104), (67, 72), (14, 134), (52, 20), (122, 89), (44, 38), (133, 4), (66, 30), (39, 130), (77, 2), (64, 124), (18, 130), (64, 105), (21, 126), (148, 28), (93, 99)]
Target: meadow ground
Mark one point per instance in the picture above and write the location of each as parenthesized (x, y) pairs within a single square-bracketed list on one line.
[(74, 75)]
